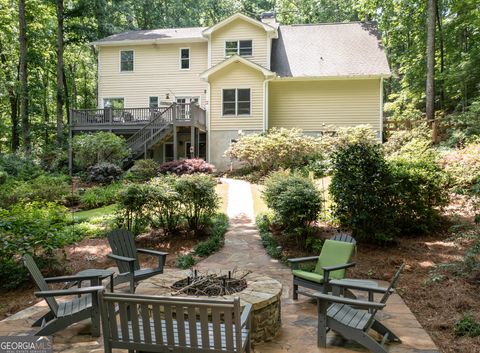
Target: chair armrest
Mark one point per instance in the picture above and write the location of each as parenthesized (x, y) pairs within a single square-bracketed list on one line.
[(121, 258), (244, 319), (358, 286), (338, 267), (302, 259), (152, 252), (352, 302), (72, 278), (65, 292)]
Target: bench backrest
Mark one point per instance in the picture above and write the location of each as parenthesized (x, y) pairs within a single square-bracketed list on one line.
[(122, 243), (182, 324)]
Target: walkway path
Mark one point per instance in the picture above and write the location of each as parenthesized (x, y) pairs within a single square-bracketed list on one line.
[(243, 249)]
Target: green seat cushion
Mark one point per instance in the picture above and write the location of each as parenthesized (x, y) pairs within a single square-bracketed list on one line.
[(309, 276), (334, 253)]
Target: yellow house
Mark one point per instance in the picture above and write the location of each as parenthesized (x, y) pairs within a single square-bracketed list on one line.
[(190, 92)]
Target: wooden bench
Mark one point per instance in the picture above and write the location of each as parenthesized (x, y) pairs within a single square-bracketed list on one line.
[(174, 324)]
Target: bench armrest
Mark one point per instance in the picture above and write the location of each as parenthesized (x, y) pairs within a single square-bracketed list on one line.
[(245, 318), (72, 278), (352, 302), (65, 292)]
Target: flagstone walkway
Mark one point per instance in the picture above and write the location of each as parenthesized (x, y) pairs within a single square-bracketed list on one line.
[(243, 250)]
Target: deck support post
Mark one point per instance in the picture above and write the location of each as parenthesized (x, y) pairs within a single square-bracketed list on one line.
[(175, 139), (192, 141)]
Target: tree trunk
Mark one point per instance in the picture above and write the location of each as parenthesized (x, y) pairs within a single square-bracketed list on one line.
[(22, 38), (442, 56), (45, 107), (430, 89), (60, 72)]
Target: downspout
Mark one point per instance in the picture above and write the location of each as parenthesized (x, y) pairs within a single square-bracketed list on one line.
[(208, 120), (266, 103), (381, 109)]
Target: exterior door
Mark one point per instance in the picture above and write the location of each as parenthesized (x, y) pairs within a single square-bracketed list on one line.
[(183, 104)]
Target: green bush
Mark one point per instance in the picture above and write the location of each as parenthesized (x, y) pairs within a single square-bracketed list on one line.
[(294, 199), (99, 196), (20, 166), (100, 147), (185, 261), (216, 239), (199, 199), (268, 241), (467, 326), (361, 189), (165, 205), (415, 142), (143, 170), (463, 167), (3, 177), (132, 212), (104, 173)]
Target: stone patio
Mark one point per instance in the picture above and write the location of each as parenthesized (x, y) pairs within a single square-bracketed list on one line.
[(243, 250)]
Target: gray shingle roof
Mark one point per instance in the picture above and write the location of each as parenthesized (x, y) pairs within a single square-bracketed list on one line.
[(155, 34), (323, 50)]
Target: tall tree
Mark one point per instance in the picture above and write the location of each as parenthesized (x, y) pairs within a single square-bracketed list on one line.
[(22, 38), (60, 71), (430, 89)]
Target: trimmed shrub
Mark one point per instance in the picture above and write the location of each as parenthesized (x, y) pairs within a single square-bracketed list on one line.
[(143, 170), (186, 166), (20, 166), (268, 241), (294, 199), (185, 261), (216, 239), (100, 147), (199, 199), (104, 173), (361, 188), (99, 196), (132, 212), (165, 205)]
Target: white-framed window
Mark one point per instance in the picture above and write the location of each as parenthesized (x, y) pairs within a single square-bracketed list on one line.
[(127, 58), (153, 102), (184, 58), (236, 101), (114, 102), (239, 47)]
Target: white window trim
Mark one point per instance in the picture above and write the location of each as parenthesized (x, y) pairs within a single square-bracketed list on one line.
[(104, 98), (238, 48), (236, 103), (158, 101), (164, 149), (189, 97), (120, 61), (180, 58)]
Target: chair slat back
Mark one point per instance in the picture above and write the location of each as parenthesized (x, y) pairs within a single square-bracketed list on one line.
[(180, 323), (344, 237), (392, 285), (40, 282), (122, 243)]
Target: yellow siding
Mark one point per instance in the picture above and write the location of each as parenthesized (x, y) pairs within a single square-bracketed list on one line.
[(236, 75), (313, 105), (156, 73), (239, 30)]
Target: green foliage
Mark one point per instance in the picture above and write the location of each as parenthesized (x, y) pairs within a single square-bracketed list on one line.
[(314, 244), (20, 166), (165, 204), (467, 326), (463, 167), (464, 127), (185, 261), (361, 188), (143, 170), (3, 177), (199, 199), (132, 212), (417, 141), (279, 148), (100, 147), (104, 173), (271, 246), (99, 196), (294, 199), (216, 239)]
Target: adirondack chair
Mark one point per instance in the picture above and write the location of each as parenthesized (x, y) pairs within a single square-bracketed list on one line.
[(353, 318), (125, 253), (331, 264), (63, 314), (174, 324)]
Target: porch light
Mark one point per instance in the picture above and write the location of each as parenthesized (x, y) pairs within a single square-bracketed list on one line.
[(167, 96)]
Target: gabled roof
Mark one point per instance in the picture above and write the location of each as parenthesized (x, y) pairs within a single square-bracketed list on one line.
[(235, 59), (329, 50), (208, 31), (168, 35)]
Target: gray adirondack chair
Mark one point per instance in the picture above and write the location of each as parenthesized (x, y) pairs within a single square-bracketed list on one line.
[(332, 263), (353, 318), (125, 253), (63, 314), (174, 324)]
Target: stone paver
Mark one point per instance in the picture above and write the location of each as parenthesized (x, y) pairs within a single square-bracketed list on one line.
[(243, 250)]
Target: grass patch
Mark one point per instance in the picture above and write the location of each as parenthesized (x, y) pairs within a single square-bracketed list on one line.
[(222, 192), (259, 206), (95, 213)]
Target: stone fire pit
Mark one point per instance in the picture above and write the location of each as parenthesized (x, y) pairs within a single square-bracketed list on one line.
[(262, 292)]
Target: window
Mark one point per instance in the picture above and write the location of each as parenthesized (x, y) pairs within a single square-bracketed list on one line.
[(115, 103), (184, 58), (126, 60), (153, 102), (239, 47), (236, 101)]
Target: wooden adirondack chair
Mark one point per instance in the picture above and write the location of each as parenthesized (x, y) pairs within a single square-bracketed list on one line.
[(63, 314), (353, 318), (143, 323), (332, 262), (125, 253)]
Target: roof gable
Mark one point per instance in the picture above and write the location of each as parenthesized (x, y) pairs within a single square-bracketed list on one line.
[(235, 59), (269, 29)]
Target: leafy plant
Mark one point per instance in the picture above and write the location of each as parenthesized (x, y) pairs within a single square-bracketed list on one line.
[(3, 177), (20, 166), (186, 166), (143, 170), (104, 173), (271, 246), (165, 204), (467, 326), (216, 239), (132, 212), (185, 261), (99, 196)]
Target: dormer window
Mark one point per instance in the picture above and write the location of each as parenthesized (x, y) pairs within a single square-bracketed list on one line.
[(239, 47), (126, 60)]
